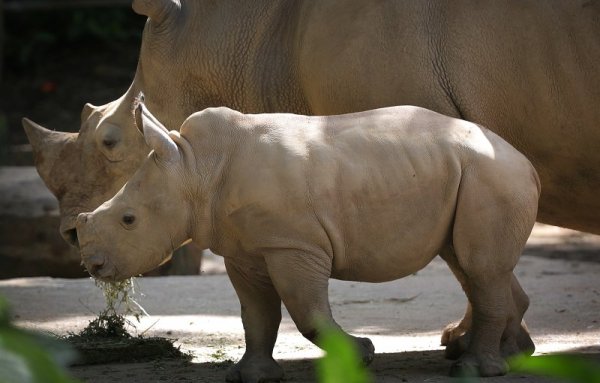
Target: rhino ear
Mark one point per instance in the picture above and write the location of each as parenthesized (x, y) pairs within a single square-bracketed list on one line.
[(156, 135), (157, 10), (144, 117), (87, 111)]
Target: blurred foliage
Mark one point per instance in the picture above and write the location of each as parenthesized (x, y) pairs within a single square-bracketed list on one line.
[(34, 34), (567, 367), (342, 362), (28, 357)]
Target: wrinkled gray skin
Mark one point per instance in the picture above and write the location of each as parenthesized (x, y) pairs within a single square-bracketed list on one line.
[(291, 201), (527, 70)]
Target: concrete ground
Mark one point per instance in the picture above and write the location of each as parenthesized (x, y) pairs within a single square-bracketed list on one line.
[(560, 271)]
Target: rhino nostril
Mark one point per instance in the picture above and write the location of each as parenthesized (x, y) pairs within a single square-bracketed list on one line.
[(93, 264), (94, 269), (82, 218), (70, 236)]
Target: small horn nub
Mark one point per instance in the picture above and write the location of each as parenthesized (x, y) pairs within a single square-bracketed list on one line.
[(157, 10)]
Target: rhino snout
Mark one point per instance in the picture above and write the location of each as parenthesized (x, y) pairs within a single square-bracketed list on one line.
[(93, 263), (97, 266)]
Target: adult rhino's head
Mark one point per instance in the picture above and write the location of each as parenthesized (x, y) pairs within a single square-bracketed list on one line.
[(138, 228), (85, 169)]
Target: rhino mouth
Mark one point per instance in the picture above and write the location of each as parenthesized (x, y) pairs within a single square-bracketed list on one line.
[(99, 266)]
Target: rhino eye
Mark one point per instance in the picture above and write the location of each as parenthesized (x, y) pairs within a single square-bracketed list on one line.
[(128, 219), (109, 143)]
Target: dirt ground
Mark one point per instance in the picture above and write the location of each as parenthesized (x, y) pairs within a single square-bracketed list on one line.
[(403, 318)]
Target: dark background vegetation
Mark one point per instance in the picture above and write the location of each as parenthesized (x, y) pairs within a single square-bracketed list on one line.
[(59, 55)]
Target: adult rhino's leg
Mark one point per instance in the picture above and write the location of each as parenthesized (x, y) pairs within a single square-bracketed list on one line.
[(478, 349), (261, 315), (456, 336), (302, 280), (516, 338)]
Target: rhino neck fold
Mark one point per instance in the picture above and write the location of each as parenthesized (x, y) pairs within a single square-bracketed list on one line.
[(191, 183), (209, 182)]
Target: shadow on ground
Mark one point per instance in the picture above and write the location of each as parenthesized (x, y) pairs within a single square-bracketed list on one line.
[(552, 242), (415, 366), (591, 254)]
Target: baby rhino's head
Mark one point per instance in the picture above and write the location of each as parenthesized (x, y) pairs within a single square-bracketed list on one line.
[(138, 228)]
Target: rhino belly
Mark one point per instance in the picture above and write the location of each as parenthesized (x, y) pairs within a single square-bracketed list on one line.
[(390, 243)]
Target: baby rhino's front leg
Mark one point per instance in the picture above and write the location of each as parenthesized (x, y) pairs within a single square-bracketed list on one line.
[(261, 315), (302, 280)]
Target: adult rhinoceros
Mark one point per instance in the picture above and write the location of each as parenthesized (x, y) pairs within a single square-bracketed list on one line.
[(528, 70)]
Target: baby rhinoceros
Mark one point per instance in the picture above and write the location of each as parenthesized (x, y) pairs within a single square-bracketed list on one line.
[(290, 201)]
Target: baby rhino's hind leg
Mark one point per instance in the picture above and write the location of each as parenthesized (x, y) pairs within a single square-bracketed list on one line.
[(491, 226)]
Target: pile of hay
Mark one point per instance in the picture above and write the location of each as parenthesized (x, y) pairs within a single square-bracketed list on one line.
[(106, 339)]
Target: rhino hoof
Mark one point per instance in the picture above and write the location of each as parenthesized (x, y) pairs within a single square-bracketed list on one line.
[(456, 347), (452, 332), (520, 343), (525, 343), (250, 370), (485, 366), (366, 350)]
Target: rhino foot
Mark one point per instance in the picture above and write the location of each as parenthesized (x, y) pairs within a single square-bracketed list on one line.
[(457, 345), (454, 331), (482, 365), (366, 349), (524, 343), (255, 370)]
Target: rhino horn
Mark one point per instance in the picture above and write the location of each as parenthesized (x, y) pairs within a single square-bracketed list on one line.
[(157, 10), (47, 146)]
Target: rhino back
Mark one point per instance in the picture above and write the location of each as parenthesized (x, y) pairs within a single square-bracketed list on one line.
[(338, 184)]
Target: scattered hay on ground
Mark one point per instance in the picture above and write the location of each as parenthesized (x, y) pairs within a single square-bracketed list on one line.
[(106, 339)]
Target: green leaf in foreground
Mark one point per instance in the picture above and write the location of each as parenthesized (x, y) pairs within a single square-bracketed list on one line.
[(567, 367), (27, 357), (342, 363)]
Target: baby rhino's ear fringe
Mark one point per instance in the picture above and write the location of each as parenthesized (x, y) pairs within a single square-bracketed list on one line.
[(136, 111), (139, 99)]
